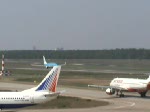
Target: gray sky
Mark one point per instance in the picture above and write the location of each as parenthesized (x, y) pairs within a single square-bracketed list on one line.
[(74, 24)]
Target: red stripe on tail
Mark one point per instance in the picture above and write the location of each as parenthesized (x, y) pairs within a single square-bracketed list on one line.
[(53, 85)]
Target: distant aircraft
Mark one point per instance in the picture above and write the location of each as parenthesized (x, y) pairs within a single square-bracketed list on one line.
[(45, 91), (119, 85), (48, 65)]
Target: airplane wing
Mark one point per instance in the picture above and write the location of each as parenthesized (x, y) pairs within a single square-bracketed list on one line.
[(98, 86), (54, 94), (105, 87), (36, 65), (51, 95), (48, 64), (63, 64)]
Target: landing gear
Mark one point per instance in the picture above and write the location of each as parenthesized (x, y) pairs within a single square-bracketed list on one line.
[(120, 95), (117, 94), (143, 94)]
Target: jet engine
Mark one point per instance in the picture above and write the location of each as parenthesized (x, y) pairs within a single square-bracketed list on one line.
[(110, 91)]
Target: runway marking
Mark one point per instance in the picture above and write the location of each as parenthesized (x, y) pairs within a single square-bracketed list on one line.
[(131, 105)]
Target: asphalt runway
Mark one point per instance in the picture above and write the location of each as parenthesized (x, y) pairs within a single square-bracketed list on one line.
[(132, 102)]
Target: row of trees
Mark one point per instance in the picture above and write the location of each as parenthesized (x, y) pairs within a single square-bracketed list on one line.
[(78, 54)]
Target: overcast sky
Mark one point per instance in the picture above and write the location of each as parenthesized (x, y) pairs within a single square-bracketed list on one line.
[(74, 24)]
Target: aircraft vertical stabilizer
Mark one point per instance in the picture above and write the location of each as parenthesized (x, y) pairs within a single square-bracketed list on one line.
[(44, 60), (50, 81)]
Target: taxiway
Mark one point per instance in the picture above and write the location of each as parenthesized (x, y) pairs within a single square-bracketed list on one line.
[(130, 103)]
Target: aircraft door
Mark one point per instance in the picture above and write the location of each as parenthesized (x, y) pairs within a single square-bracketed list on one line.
[(32, 99)]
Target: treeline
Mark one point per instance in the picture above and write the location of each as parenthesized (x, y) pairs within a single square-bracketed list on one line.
[(78, 54)]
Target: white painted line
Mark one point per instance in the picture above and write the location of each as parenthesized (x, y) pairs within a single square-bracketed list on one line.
[(131, 105)]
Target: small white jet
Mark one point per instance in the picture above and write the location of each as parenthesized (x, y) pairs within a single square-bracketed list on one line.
[(120, 85), (45, 91)]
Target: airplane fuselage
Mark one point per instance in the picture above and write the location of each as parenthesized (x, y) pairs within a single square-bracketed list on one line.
[(20, 99), (50, 65), (131, 85)]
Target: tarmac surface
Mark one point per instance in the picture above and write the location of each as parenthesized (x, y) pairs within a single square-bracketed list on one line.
[(132, 102)]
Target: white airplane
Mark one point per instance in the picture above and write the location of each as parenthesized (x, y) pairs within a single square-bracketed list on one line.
[(45, 91), (119, 85)]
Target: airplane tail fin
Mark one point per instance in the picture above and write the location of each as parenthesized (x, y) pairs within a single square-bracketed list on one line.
[(49, 83), (44, 60)]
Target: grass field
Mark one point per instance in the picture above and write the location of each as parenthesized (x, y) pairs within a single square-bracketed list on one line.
[(77, 73), (64, 102), (117, 65)]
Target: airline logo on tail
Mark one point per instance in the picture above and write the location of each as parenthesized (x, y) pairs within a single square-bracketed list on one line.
[(50, 81)]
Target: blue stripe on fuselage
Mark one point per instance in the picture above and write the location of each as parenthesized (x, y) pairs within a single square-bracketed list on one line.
[(9, 106)]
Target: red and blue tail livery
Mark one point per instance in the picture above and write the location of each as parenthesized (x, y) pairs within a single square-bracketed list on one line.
[(50, 81)]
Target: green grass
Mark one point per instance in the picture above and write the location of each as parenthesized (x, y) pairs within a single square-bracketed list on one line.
[(71, 78), (76, 79), (64, 102)]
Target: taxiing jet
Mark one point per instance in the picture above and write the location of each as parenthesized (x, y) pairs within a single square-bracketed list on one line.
[(45, 91), (119, 85), (48, 65)]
